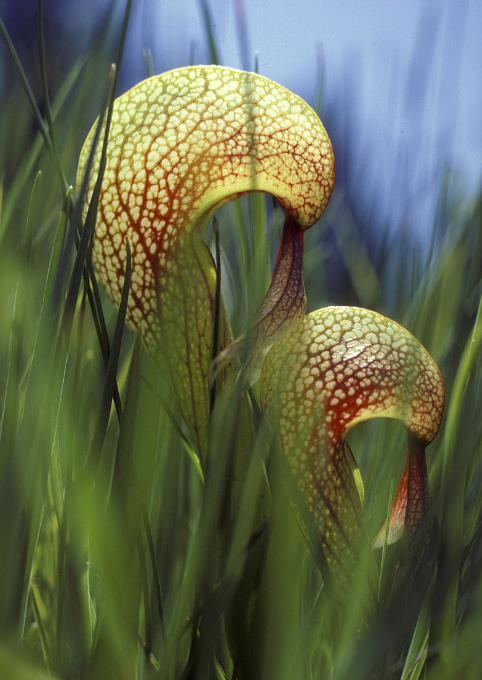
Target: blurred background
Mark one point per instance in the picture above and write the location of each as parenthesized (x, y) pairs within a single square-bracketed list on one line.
[(398, 83)]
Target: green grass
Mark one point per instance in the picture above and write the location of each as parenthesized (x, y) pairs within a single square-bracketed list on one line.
[(119, 557)]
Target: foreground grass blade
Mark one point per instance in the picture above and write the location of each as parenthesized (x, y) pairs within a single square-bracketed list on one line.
[(111, 373)]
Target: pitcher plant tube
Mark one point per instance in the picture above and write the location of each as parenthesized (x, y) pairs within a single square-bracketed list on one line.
[(338, 367), (183, 143)]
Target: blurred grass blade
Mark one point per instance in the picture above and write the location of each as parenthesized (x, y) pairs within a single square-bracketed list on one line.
[(24, 80), (46, 95), (29, 161), (111, 373), (89, 225), (208, 28), (417, 652)]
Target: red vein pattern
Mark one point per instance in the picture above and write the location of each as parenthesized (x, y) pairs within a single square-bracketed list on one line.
[(181, 144), (338, 367)]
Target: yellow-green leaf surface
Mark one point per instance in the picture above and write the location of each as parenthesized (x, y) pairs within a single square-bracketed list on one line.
[(181, 144), (338, 367), (184, 142)]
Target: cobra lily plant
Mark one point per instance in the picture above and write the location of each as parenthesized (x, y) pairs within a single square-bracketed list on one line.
[(180, 145), (340, 366)]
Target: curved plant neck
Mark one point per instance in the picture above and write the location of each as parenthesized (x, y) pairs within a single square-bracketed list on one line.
[(285, 300), (283, 305)]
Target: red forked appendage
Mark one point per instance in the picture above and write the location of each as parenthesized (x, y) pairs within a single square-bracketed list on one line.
[(412, 498)]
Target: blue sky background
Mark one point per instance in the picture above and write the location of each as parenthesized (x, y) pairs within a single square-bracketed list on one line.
[(411, 69), (402, 79)]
